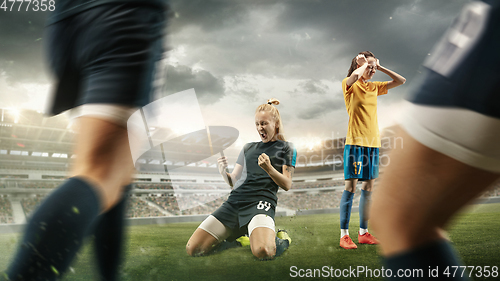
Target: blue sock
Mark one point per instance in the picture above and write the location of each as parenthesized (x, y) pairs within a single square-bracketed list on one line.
[(109, 239), (345, 209), (436, 255), (55, 232), (363, 208), (281, 246)]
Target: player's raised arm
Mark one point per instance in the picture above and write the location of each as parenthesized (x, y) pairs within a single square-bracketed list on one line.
[(397, 80), (283, 180), (357, 74), (235, 174)]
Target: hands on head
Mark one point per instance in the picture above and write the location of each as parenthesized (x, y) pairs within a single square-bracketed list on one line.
[(361, 60)]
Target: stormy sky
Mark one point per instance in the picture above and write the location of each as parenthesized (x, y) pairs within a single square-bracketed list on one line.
[(238, 54)]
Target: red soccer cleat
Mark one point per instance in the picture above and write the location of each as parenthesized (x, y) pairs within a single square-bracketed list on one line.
[(367, 238), (346, 243)]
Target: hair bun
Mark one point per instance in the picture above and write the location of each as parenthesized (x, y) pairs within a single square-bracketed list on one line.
[(273, 101)]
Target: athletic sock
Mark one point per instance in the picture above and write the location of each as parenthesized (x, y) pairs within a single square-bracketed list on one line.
[(363, 231), (363, 208), (344, 232), (281, 246), (109, 239), (55, 232), (345, 209), (438, 255)]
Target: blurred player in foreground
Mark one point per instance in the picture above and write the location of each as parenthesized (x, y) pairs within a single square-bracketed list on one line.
[(361, 152), (451, 147), (103, 56), (262, 167)]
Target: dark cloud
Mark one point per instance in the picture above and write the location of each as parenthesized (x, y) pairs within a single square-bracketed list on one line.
[(209, 15), (309, 39), (209, 89), (311, 87), (400, 33), (319, 108), (21, 45), (302, 40), (241, 87)]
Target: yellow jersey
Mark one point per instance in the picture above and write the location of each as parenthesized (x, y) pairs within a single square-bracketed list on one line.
[(361, 104)]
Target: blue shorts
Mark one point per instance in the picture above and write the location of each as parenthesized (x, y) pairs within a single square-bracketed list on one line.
[(361, 162), (105, 55)]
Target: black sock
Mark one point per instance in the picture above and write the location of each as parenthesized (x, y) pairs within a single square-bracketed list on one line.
[(438, 255), (109, 239), (281, 246), (55, 232)]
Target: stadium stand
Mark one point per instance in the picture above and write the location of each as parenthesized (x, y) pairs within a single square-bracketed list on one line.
[(5, 210), (212, 203), (153, 186), (138, 208), (30, 204), (168, 203), (313, 200), (38, 184), (317, 184), (36, 154)]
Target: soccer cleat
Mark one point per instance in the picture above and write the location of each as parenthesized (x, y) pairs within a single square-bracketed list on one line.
[(346, 243), (244, 241), (282, 234), (367, 238)]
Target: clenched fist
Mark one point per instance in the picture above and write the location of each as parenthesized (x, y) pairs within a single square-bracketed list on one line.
[(222, 165), (264, 162)]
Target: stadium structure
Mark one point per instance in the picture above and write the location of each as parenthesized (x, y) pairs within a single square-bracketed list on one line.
[(36, 153)]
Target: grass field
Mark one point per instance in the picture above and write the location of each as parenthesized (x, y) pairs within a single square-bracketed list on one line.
[(157, 252)]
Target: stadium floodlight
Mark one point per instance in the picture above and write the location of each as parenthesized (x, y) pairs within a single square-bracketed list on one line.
[(14, 112)]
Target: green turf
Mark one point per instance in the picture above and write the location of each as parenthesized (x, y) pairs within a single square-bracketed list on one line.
[(157, 252)]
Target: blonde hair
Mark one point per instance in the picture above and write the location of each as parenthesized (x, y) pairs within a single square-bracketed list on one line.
[(276, 115)]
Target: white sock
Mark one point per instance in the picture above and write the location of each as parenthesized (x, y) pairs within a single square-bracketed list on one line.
[(362, 231), (344, 232)]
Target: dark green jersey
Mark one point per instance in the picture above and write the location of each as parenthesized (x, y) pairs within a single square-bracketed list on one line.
[(68, 8), (255, 184)]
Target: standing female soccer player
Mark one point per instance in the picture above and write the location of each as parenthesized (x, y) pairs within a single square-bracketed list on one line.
[(103, 56), (262, 167), (361, 153)]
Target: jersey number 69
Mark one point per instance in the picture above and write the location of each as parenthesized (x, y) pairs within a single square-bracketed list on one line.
[(264, 205)]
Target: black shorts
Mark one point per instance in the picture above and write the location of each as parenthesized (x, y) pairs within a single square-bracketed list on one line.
[(463, 68), (237, 216), (106, 54)]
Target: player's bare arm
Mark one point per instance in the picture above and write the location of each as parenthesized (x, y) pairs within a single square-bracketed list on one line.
[(283, 180), (235, 174), (358, 73), (397, 79)]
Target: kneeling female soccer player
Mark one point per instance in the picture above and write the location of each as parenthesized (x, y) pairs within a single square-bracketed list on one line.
[(262, 167)]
